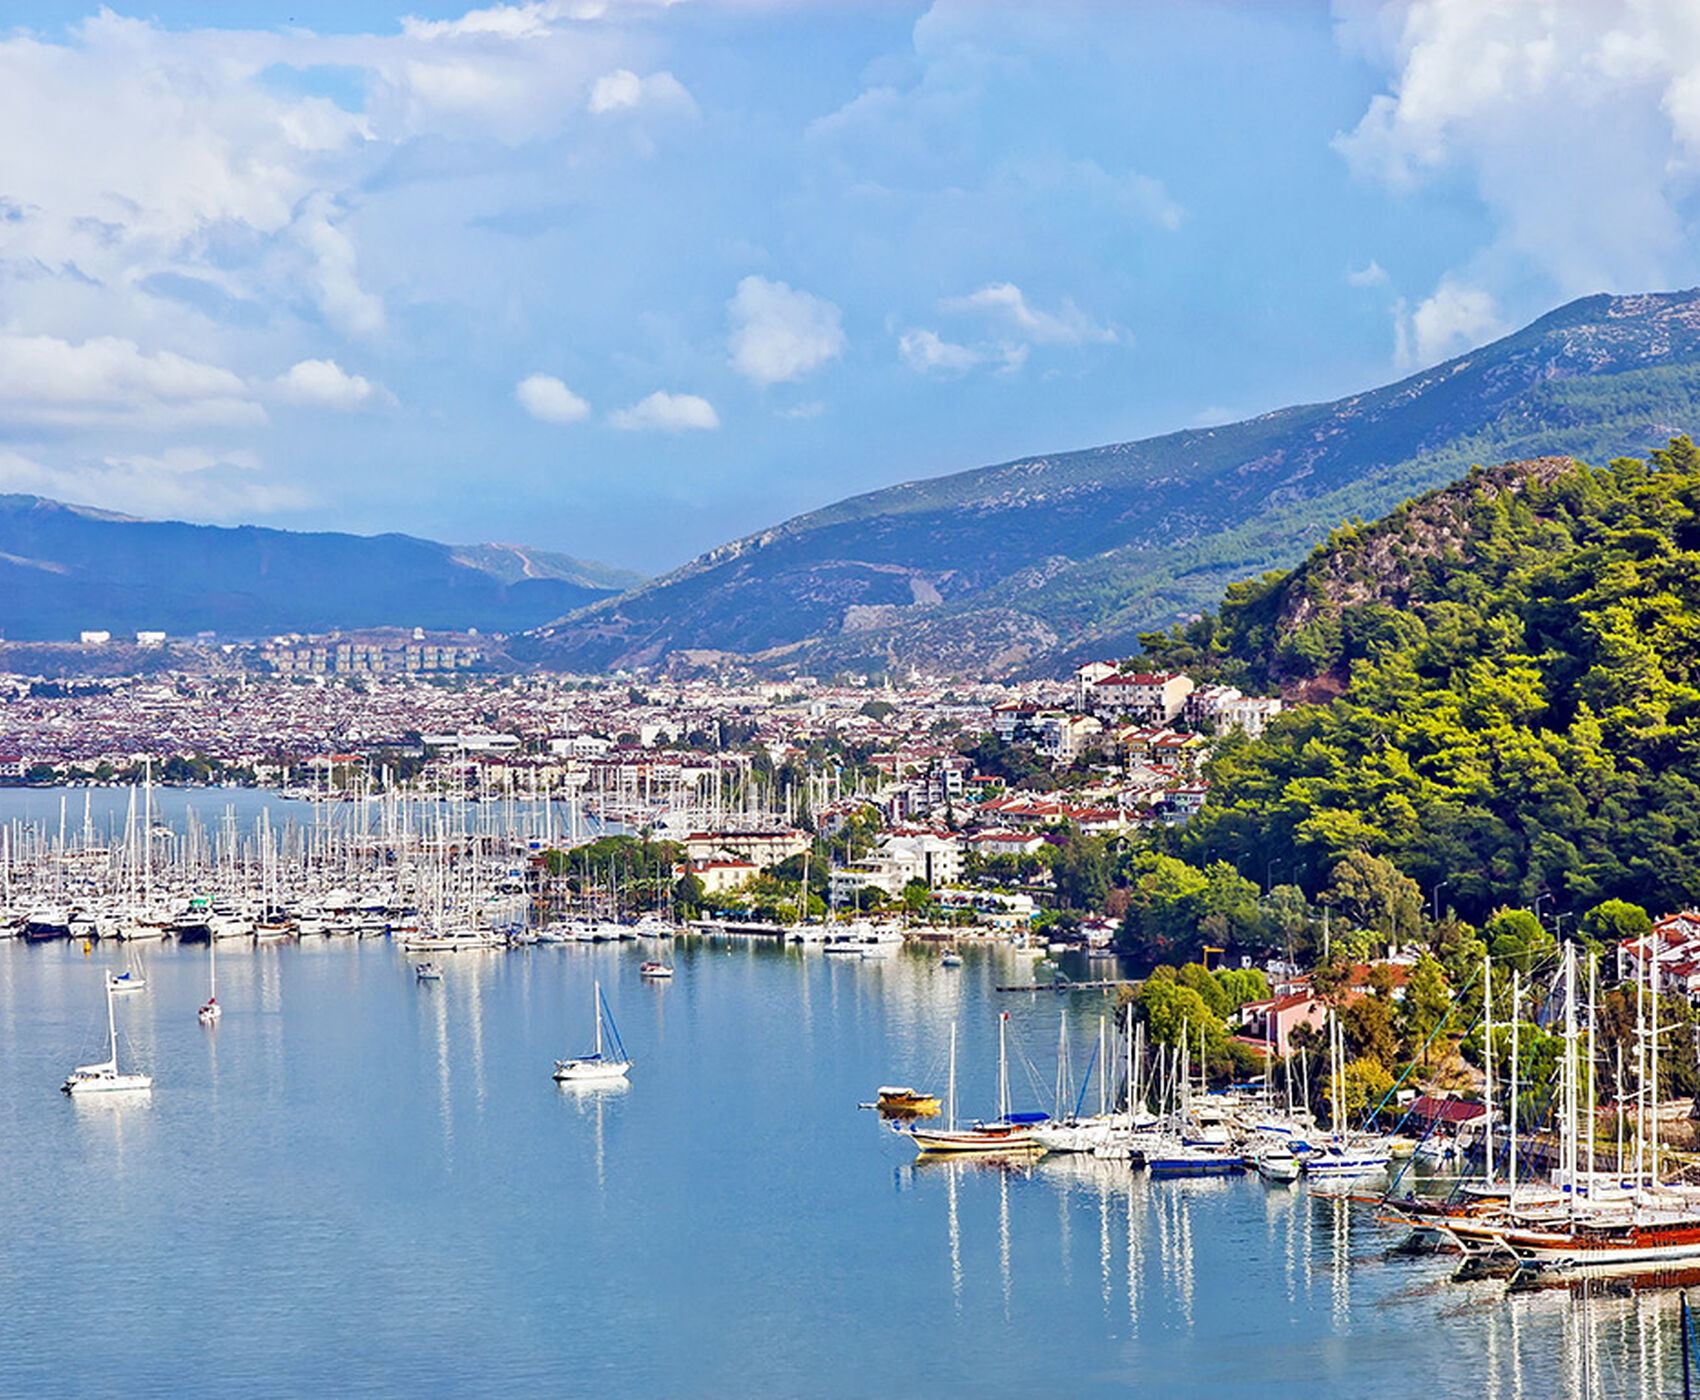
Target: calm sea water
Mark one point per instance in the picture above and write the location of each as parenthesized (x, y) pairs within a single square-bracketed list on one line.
[(358, 1184)]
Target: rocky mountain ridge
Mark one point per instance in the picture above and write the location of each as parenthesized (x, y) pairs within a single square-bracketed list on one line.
[(67, 568), (1030, 566)]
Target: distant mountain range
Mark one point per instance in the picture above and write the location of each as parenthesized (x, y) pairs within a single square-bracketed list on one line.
[(1030, 566), (64, 568)]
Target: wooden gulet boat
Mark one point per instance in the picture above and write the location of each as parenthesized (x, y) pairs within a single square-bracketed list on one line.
[(1008, 1133)]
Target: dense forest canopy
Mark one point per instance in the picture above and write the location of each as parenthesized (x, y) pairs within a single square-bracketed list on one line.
[(1516, 715)]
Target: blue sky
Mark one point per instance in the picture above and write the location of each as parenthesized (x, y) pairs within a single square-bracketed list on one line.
[(629, 279)]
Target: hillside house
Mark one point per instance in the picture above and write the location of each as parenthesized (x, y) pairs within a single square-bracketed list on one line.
[(1153, 696)]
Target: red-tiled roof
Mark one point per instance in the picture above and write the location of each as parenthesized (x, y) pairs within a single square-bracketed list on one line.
[(1447, 1110)]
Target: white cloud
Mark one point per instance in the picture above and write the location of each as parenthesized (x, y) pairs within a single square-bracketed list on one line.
[(535, 20), (323, 384), (925, 352), (332, 277), (109, 381), (496, 22), (549, 400), (1374, 275), (622, 90), (672, 413), (206, 156), (1578, 126), (1454, 319), (779, 333), (1005, 302), (189, 482)]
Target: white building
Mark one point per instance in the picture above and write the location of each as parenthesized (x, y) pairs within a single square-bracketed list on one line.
[(903, 855), (1230, 708), (1062, 737), (1149, 695), (720, 874)]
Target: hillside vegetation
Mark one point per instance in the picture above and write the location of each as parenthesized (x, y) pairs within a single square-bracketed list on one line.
[(1032, 566), (1517, 707)]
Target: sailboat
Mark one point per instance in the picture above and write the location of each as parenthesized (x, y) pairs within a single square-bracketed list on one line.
[(1343, 1154), (210, 1009), (106, 1077), (599, 1065), (1009, 1132), (1069, 1130)]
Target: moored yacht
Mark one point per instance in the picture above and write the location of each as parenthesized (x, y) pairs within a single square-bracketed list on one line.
[(106, 1077), (600, 1066)]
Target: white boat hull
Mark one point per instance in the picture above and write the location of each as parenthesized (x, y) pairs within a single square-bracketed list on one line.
[(590, 1071)]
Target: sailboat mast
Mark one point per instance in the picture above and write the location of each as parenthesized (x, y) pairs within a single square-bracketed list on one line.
[(1591, 1102), (1653, 1056), (1103, 1071), (1063, 1085), (1511, 1170), (951, 1091), (598, 1010), (111, 1025), (1003, 1066), (1641, 1075), (1489, 1161), (1568, 1150)]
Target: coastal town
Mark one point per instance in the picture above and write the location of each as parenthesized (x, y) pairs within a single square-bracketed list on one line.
[(962, 790)]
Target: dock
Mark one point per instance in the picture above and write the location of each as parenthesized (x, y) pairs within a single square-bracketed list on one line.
[(1065, 986)]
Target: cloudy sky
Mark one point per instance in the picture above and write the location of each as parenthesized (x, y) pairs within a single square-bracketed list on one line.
[(628, 278)]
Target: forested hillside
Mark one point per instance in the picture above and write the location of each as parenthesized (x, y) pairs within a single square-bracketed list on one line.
[(1517, 708)]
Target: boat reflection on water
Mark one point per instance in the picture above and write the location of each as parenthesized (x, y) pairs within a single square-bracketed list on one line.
[(1604, 1281), (1019, 1162), (593, 1098)]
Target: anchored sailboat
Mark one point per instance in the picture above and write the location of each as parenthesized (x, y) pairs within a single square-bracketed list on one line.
[(106, 1077), (210, 1009), (599, 1065), (1009, 1132)]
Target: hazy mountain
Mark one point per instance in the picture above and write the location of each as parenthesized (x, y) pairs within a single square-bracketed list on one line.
[(1032, 564), (64, 568)]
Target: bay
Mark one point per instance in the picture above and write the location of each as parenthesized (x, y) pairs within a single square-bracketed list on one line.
[(360, 1184)]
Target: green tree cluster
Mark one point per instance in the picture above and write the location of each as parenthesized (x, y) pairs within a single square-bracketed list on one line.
[(1516, 666)]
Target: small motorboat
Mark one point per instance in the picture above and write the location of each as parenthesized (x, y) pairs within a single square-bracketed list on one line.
[(655, 969), (427, 972), (900, 1101), (1276, 1163), (126, 981), (952, 959)]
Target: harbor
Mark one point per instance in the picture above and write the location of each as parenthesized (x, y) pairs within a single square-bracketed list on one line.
[(391, 1159)]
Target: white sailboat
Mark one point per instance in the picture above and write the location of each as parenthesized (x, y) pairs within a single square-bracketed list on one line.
[(106, 1077), (210, 1009), (599, 1066)]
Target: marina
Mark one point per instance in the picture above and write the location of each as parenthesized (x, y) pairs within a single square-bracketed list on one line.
[(309, 1183)]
